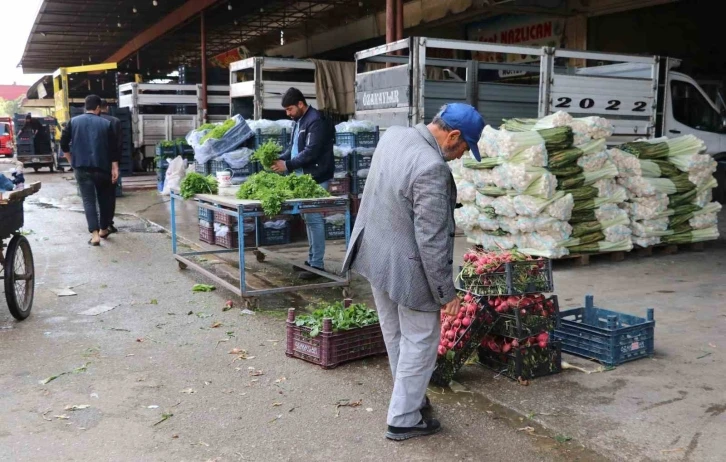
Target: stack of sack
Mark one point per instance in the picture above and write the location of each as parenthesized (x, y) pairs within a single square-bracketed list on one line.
[(669, 186)]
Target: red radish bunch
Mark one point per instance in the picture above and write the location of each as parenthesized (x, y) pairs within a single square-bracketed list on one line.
[(454, 329), (499, 344), (535, 304)]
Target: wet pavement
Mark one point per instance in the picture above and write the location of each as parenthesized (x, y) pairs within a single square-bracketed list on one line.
[(152, 378)]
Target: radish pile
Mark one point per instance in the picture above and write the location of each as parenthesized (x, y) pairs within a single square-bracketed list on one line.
[(455, 330), (500, 344), (486, 273)]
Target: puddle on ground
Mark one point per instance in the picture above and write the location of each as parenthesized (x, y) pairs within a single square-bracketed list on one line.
[(543, 438)]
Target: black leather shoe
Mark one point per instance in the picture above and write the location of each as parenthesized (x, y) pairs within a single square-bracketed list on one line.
[(307, 275), (112, 229), (297, 268), (425, 427), (427, 406)]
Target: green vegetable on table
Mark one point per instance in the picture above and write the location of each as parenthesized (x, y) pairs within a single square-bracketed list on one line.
[(267, 154), (194, 183), (355, 316), (218, 131), (167, 144), (205, 127), (272, 190)]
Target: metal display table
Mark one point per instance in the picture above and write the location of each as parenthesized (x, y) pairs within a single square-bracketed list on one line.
[(242, 209)]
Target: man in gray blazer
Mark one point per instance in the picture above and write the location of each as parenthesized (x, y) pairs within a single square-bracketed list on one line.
[(403, 244)]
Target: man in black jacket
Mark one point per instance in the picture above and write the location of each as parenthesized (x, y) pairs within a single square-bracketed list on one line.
[(87, 142), (310, 152), (116, 152)]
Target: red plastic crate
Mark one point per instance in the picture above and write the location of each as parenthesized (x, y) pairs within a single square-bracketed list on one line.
[(225, 219), (339, 186), (206, 234), (229, 241), (329, 349)]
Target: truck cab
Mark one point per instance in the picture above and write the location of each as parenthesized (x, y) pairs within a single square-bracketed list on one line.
[(7, 144), (683, 107)]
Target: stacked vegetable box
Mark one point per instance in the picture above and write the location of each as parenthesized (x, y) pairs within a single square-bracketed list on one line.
[(669, 188), (505, 315), (355, 143)]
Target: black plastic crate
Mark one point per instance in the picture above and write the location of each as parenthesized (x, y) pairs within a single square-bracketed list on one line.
[(166, 151), (609, 337), (202, 169), (524, 362), (184, 150), (357, 184), (367, 139), (361, 161), (334, 231), (247, 170), (11, 218), (217, 166), (342, 164), (514, 278), (282, 139), (464, 346), (525, 320), (269, 236), (345, 139)]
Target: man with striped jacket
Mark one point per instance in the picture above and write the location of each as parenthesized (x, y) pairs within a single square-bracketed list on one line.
[(403, 244)]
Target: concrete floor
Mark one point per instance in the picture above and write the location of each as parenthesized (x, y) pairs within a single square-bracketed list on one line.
[(669, 407)]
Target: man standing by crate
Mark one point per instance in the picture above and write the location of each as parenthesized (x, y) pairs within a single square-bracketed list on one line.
[(116, 152), (403, 243), (310, 152), (88, 142)]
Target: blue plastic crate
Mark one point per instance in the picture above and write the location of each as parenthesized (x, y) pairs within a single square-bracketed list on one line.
[(166, 151), (185, 150), (206, 215), (334, 231), (345, 139), (609, 337)]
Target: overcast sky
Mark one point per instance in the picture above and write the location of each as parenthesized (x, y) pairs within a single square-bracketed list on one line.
[(17, 20)]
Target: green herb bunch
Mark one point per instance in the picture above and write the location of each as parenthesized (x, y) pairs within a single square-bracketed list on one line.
[(267, 154), (355, 316), (272, 190), (194, 183)]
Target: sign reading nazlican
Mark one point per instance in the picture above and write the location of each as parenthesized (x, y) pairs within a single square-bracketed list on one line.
[(516, 30)]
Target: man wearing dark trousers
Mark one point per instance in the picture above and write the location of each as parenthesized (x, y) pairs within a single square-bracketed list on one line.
[(117, 151), (88, 142), (310, 152)]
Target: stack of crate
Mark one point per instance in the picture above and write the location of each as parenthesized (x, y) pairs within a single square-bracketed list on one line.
[(357, 164)]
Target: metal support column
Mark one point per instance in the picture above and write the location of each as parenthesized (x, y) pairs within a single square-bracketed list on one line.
[(204, 68)]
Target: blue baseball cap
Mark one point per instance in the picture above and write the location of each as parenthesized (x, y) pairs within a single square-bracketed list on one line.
[(468, 121)]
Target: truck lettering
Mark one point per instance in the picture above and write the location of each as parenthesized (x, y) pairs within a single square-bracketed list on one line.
[(381, 98)]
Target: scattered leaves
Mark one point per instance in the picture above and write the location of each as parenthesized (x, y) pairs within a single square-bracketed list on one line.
[(189, 391), (255, 372), (236, 351), (77, 370), (61, 417), (562, 438), (203, 315), (276, 404), (164, 418), (154, 301), (216, 324), (77, 407), (202, 288), (346, 403)]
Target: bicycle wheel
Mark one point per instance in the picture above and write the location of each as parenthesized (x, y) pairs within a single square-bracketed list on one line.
[(19, 277)]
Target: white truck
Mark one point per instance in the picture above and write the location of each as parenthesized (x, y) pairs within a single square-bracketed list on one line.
[(148, 128), (642, 95)]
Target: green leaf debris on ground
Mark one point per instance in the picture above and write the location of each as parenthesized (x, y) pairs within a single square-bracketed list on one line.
[(77, 370), (203, 288)]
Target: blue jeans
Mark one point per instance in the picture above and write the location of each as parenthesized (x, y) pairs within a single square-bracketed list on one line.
[(316, 236)]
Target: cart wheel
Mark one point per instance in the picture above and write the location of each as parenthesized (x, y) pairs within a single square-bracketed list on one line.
[(260, 256), (347, 293), (182, 266), (19, 277)]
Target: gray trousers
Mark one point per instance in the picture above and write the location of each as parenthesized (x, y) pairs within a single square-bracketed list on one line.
[(412, 340)]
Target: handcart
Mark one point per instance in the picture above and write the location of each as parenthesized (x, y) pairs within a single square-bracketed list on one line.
[(241, 209), (16, 259)]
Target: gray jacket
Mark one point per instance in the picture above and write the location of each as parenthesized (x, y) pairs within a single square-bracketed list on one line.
[(403, 239)]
